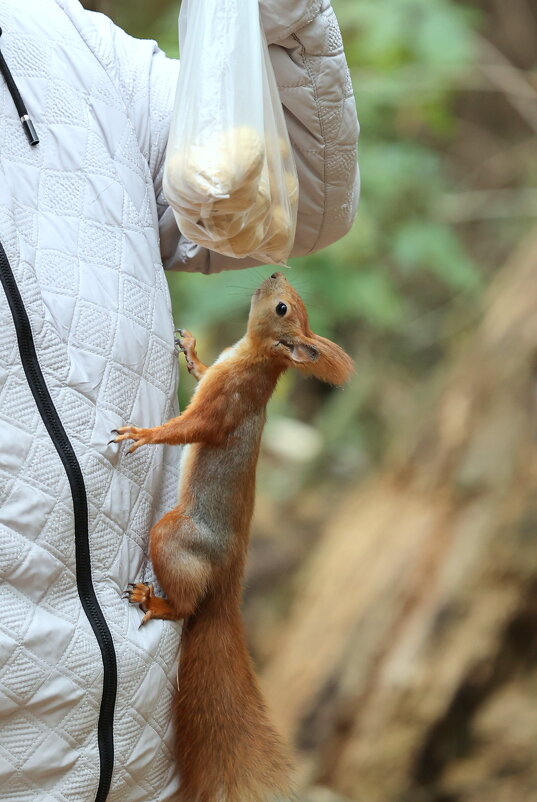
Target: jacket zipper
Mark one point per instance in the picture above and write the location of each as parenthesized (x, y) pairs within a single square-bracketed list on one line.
[(86, 591)]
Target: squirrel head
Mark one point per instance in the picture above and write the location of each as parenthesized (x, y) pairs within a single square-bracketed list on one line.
[(278, 327)]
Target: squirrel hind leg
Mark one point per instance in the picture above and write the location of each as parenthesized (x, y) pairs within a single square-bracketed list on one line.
[(183, 568), (153, 606)]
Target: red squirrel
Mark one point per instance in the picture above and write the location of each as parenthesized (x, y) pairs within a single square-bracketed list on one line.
[(227, 750)]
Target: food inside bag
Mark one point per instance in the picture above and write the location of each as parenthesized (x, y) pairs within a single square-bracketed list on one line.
[(230, 175)]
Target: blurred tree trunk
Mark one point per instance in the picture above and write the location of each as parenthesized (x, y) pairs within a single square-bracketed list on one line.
[(407, 669)]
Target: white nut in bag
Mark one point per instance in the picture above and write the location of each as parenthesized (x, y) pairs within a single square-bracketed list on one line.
[(230, 175), (223, 166)]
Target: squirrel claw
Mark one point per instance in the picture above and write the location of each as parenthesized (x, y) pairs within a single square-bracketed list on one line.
[(113, 440), (145, 619)]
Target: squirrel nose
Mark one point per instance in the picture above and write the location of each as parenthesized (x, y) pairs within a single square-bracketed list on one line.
[(276, 275)]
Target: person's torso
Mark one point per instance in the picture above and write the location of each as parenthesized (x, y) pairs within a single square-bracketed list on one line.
[(78, 226)]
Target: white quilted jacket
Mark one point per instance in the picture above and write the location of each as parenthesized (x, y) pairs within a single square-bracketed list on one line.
[(86, 344)]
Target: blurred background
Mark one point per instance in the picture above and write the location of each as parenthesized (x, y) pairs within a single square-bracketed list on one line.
[(391, 596)]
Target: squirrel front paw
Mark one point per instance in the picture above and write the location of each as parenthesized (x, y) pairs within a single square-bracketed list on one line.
[(140, 436), (187, 345)]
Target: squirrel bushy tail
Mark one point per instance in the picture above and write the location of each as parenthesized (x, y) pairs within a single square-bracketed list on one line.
[(227, 749)]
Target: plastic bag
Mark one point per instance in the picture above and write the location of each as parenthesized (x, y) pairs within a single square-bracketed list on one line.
[(230, 175)]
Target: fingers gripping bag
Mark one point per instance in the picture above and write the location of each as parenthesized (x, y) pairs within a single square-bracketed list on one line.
[(230, 175)]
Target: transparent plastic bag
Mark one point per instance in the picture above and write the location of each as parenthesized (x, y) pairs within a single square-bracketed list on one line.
[(230, 175)]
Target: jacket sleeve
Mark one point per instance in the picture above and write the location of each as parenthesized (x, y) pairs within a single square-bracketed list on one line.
[(316, 92)]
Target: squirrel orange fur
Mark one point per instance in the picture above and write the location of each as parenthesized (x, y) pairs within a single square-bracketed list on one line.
[(227, 750)]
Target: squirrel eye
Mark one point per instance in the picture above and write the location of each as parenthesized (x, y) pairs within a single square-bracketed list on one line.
[(281, 309)]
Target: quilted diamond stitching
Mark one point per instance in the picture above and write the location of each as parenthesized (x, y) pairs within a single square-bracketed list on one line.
[(128, 153), (17, 405), (339, 165), (118, 390), (7, 482), (136, 300), (61, 192), (79, 784), (80, 660), (28, 677), (57, 533), (17, 611), (62, 597), (159, 362), (15, 735), (51, 353), (30, 58), (97, 473), (105, 541), (14, 145), (100, 243), (8, 343), (66, 105), (334, 38), (159, 769), (57, 271), (81, 719), (98, 160), (142, 511), (93, 327), (26, 221), (42, 468), (19, 788), (77, 413), (14, 548)]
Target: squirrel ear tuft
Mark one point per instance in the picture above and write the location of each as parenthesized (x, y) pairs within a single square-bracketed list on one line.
[(323, 359)]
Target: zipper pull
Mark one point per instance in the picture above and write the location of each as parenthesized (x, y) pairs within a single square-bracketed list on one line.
[(22, 111)]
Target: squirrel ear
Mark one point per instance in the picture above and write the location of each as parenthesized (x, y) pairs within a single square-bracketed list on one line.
[(303, 353), (323, 359)]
